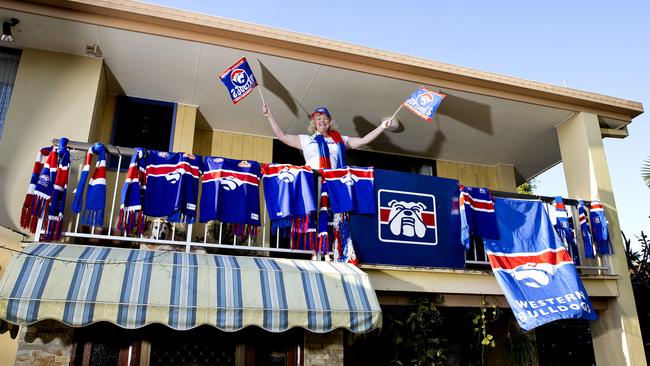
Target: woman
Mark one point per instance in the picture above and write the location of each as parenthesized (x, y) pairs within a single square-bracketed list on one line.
[(323, 131)]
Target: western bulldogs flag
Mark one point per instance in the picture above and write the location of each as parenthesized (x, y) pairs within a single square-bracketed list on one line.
[(533, 267), (239, 80), (424, 103)]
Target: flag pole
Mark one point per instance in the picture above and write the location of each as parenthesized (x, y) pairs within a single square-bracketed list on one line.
[(259, 88), (398, 109)]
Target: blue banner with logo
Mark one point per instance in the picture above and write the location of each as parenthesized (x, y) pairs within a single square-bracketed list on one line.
[(239, 80), (533, 268), (424, 103), (417, 222)]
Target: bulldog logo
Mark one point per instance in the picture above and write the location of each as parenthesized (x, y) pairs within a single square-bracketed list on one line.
[(173, 177), (407, 217), (534, 275)]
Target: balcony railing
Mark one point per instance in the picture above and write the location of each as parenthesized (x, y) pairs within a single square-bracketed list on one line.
[(193, 237)]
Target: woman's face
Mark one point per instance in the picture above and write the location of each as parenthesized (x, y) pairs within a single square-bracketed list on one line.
[(322, 123)]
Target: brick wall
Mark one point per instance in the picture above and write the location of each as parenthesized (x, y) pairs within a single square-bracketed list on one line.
[(324, 349), (45, 343)]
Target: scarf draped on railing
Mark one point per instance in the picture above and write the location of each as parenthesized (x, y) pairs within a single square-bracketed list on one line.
[(564, 229), (96, 196), (58, 191), (27, 219), (584, 230), (131, 202), (325, 163)]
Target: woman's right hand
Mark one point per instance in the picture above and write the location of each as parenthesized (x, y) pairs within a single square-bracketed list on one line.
[(266, 111)]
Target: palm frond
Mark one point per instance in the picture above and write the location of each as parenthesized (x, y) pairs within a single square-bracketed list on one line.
[(645, 171)]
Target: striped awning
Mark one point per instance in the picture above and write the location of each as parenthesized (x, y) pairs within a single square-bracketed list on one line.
[(80, 285)]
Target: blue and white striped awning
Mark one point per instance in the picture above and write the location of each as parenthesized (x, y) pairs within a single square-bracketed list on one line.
[(80, 285)]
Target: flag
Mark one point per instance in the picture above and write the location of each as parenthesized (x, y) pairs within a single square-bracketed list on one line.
[(239, 80), (424, 103), (533, 268)]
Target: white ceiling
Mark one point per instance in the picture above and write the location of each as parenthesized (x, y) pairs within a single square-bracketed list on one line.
[(467, 128)]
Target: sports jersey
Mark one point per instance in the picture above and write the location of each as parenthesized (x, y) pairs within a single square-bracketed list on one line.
[(477, 214), (230, 191), (288, 190), (350, 189), (172, 186), (599, 228), (289, 194)]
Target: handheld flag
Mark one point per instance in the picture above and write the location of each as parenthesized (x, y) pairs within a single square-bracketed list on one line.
[(532, 267), (239, 80), (424, 103)]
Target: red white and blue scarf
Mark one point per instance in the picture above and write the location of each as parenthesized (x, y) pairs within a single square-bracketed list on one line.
[(27, 220), (564, 228), (324, 151), (131, 202), (584, 230), (96, 196), (50, 190)]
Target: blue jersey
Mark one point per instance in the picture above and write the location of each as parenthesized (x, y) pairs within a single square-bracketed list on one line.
[(230, 191), (351, 189), (172, 185), (288, 190), (599, 228)]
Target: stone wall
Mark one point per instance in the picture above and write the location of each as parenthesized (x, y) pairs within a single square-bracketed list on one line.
[(45, 343), (324, 349)]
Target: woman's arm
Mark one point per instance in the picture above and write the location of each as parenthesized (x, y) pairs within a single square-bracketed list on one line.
[(357, 142), (291, 140)]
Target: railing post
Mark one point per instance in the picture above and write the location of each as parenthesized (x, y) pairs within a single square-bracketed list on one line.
[(188, 238), (117, 177)]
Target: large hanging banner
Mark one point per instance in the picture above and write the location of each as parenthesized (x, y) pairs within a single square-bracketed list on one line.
[(417, 222), (534, 270)]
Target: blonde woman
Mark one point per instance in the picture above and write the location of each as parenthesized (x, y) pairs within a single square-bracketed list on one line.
[(324, 147)]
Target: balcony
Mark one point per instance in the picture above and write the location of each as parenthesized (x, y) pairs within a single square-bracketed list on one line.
[(216, 238)]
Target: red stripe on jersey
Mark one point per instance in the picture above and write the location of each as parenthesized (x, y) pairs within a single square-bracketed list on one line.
[(216, 174), (340, 173), (162, 170), (274, 169), (511, 262)]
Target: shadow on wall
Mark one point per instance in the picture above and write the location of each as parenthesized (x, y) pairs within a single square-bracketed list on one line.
[(382, 143), (272, 84), (468, 112)]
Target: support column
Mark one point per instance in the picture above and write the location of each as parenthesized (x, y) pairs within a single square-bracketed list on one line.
[(184, 128), (616, 333)]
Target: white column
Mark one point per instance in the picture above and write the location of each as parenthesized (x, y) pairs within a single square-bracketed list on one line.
[(616, 334)]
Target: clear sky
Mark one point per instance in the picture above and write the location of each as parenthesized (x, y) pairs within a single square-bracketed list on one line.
[(597, 46)]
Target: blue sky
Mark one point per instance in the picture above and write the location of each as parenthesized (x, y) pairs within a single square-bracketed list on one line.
[(597, 46)]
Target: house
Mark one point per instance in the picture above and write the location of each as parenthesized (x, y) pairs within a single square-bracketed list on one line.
[(118, 71)]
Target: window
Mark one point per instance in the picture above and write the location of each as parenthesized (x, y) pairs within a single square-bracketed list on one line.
[(143, 123), (105, 344), (9, 59)]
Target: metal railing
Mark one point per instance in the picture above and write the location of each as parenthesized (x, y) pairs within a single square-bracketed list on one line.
[(190, 240), (476, 256)]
